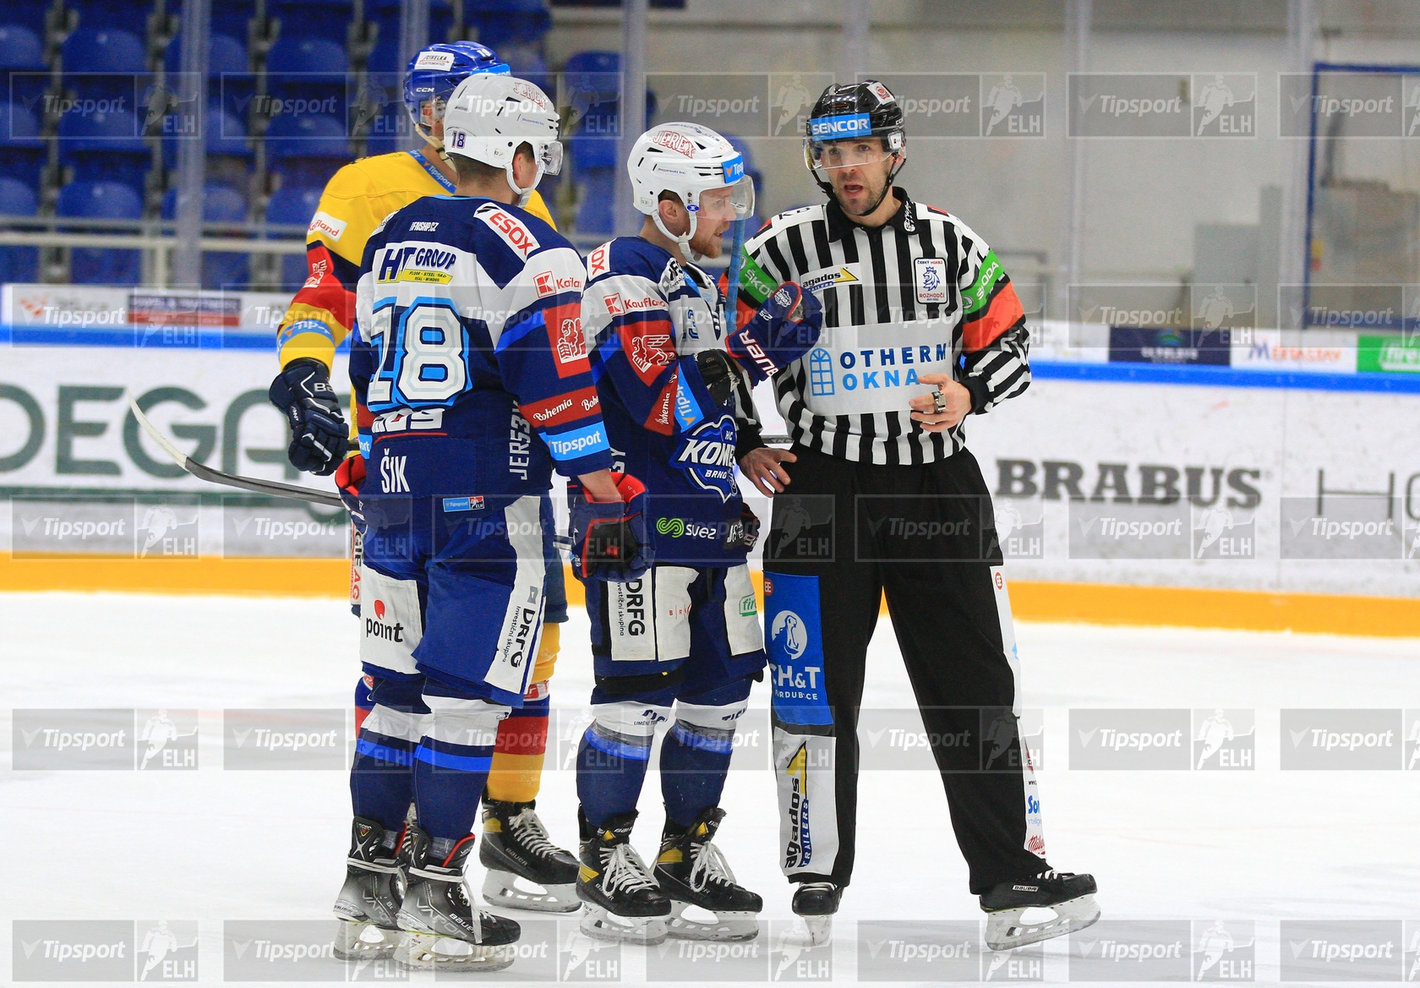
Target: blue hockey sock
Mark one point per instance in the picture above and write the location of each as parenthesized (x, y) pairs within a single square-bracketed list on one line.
[(451, 763), (381, 777), (694, 762), (610, 771)]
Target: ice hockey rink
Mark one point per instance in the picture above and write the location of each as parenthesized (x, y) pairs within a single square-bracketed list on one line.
[(213, 860)]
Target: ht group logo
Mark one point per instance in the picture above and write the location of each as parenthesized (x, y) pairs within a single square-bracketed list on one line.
[(940, 952), (1344, 104), (1342, 740), (105, 739), (284, 739), (791, 97), (1134, 951), (1342, 950), (104, 950), (1224, 950), (292, 951), (1224, 533), (1346, 527), (1224, 740), (581, 958)]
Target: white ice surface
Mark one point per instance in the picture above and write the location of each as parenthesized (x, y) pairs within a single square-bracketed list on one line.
[(215, 845)]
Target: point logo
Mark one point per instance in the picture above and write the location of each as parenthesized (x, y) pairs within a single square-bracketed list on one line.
[(380, 609)]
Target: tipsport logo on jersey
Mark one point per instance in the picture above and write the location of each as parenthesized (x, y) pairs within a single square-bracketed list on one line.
[(1162, 104), (1163, 739), (146, 740)]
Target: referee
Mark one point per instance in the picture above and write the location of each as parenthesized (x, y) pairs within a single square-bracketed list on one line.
[(921, 327)]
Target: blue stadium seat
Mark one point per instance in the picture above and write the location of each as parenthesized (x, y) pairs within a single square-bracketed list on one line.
[(102, 63), (306, 150), (17, 263), (293, 206), (22, 152), (385, 13), (28, 15), (220, 204), (100, 200), (122, 15), (103, 146), (593, 84), (230, 17), (497, 23), (312, 71), (230, 78), (24, 74), (224, 135), (598, 195), (526, 63)]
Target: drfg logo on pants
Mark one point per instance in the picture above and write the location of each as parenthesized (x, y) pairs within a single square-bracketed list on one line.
[(1341, 739), (1342, 950), (933, 952)]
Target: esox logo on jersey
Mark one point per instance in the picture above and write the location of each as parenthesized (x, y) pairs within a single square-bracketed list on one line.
[(509, 229), (707, 455)]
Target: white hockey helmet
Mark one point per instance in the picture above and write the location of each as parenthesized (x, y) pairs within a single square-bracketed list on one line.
[(489, 117), (687, 159)]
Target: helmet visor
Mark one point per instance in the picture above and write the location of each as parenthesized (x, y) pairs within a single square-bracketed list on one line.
[(731, 202), (829, 155)]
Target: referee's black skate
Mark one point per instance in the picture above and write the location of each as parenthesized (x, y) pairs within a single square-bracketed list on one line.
[(815, 903), (369, 900), (1070, 898), (621, 900), (692, 871), (441, 930), (516, 847)]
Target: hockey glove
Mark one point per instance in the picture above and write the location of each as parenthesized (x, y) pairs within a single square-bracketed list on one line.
[(718, 373), (749, 528), (349, 476), (785, 328), (319, 437), (609, 537)]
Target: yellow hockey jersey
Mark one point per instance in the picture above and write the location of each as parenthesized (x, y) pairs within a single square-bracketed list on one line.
[(355, 201)]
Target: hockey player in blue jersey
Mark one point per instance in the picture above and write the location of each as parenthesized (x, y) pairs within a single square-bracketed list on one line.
[(687, 634), (470, 357)]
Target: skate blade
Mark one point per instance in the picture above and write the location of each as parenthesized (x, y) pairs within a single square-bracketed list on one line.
[(599, 924), (810, 931), (501, 888), (1006, 930), (357, 941), (720, 926), (431, 952)]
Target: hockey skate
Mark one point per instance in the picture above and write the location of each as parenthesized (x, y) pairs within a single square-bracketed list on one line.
[(815, 903), (692, 871), (515, 846), (620, 898), (441, 931), (369, 900), (1070, 897)]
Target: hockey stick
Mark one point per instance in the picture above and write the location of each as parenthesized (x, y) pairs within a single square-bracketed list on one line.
[(732, 277), (215, 476)]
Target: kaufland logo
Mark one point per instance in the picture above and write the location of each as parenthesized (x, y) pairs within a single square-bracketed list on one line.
[(843, 125)]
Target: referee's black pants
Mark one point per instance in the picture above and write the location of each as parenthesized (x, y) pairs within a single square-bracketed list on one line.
[(842, 535)]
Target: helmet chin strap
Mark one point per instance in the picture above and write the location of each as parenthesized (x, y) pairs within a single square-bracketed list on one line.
[(683, 240), (523, 194)]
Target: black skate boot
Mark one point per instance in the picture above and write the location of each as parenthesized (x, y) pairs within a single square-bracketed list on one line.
[(369, 900), (622, 901), (692, 871), (441, 929), (815, 903), (1069, 896), (515, 845)]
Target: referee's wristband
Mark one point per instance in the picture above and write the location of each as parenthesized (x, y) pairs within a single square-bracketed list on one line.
[(980, 394)]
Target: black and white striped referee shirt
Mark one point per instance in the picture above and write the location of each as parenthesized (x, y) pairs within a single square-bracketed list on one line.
[(920, 294)]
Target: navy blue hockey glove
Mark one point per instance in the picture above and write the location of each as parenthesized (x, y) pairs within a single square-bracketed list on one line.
[(785, 328), (349, 477), (609, 537), (319, 437), (749, 528)]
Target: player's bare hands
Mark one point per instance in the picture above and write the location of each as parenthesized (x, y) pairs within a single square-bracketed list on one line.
[(765, 469), (943, 410)]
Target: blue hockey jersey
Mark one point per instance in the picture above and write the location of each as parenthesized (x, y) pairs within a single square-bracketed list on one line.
[(470, 353), (645, 316)]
